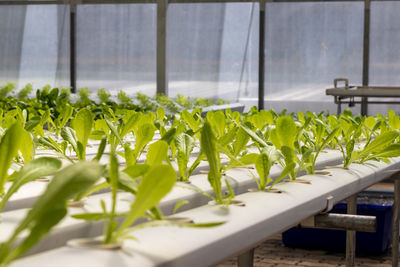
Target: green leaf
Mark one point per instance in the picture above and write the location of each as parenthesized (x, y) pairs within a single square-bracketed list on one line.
[(114, 131), (32, 123), (9, 145), (137, 170), (129, 156), (69, 135), (263, 166), (113, 179), (285, 132), (394, 120), (50, 207), (207, 143), (157, 153), (217, 121), (390, 151), (227, 138), (160, 113), (100, 150), (188, 118), (380, 142), (242, 138), (143, 136), (155, 184), (26, 148), (29, 172), (185, 143), (130, 124), (182, 161), (95, 216), (179, 204), (169, 135), (66, 114), (286, 171), (290, 158), (253, 136)]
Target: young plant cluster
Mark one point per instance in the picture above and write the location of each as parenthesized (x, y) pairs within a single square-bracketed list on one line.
[(82, 151), (57, 103)]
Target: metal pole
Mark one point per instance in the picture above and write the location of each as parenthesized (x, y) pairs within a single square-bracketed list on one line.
[(365, 74), (246, 259), (261, 56), (162, 75), (396, 215), (351, 235), (72, 43)]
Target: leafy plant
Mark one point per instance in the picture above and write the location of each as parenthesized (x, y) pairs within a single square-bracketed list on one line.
[(7, 89), (29, 172), (24, 92), (82, 124), (84, 96), (185, 145), (50, 208), (9, 146), (123, 98), (104, 95), (156, 182), (208, 146)]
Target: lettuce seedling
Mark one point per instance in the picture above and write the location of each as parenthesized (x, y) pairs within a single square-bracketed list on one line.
[(185, 144), (381, 148), (351, 130), (50, 208), (30, 172), (208, 145), (9, 145), (82, 124)]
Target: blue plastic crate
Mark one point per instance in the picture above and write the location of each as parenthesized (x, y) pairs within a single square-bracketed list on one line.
[(335, 240)]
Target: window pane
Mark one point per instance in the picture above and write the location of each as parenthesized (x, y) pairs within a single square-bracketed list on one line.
[(33, 45), (212, 49), (116, 47), (307, 46)]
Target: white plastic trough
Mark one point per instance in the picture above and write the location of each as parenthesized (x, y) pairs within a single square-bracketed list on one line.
[(239, 179), (28, 193), (264, 215)]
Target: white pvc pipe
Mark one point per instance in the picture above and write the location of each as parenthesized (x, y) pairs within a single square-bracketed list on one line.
[(264, 215)]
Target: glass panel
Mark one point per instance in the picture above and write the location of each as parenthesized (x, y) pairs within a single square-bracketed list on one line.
[(212, 49), (385, 37), (116, 47), (307, 46), (33, 45), (384, 67)]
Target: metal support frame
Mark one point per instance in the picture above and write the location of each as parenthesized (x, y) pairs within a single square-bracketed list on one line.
[(246, 259), (261, 56), (162, 74), (72, 43), (360, 223), (365, 73), (396, 215), (351, 234)]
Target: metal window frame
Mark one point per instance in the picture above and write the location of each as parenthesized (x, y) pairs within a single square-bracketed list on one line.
[(161, 58)]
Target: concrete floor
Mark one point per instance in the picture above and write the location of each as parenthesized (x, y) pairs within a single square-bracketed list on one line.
[(273, 253)]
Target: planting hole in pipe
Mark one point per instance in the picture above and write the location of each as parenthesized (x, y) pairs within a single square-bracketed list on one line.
[(275, 191), (76, 204), (176, 219), (92, 243), (234, 202), (323, 173), (43, 180), (300, 181)]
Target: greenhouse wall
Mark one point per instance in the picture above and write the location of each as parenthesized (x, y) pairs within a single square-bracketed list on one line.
[(212, 49)]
